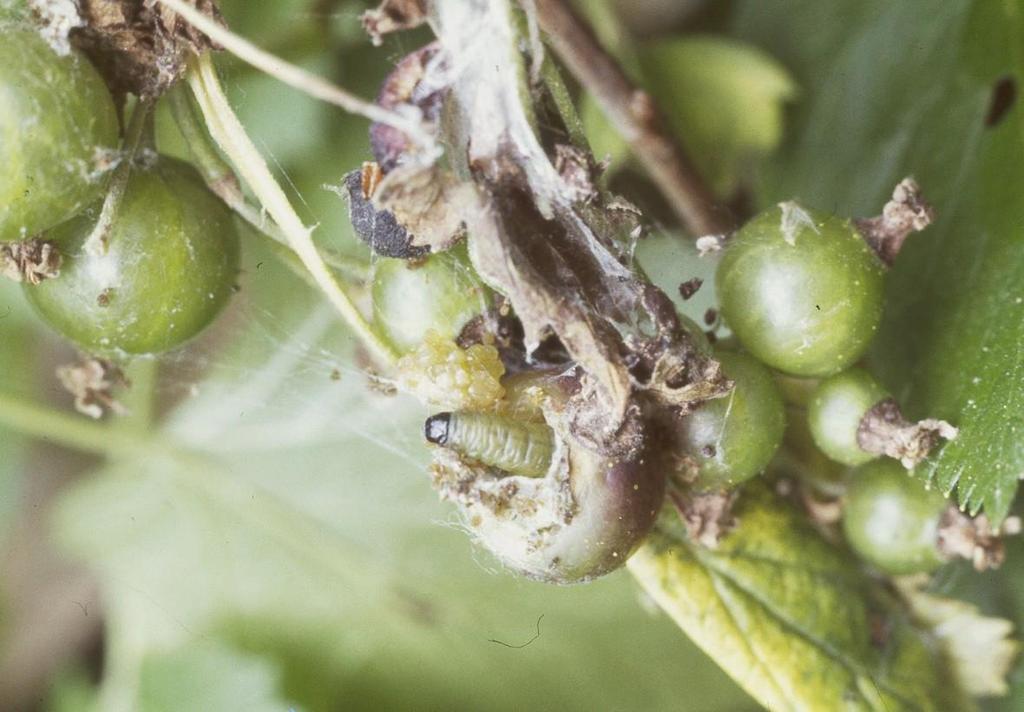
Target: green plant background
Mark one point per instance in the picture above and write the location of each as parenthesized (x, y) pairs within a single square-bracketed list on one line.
[(276, 543)]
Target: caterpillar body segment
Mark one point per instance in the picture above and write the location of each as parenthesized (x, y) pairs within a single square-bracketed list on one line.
[(514, 446)]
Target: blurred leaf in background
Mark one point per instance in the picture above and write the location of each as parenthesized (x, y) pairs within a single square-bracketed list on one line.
[(722, 98), (279, 546)]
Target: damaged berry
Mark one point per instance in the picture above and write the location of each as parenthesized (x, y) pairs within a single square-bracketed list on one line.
[(441, 293), (580, 518), (168, 271), (801, 290), (58, 132)]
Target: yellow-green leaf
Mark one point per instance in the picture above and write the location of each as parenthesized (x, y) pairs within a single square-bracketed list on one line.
[(792, 618)]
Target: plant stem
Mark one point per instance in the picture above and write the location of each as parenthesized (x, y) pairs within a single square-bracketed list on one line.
[(140, 397), (229, 134), (221, 180), (297, 77), (135, 135), (555, 84), (68, 431), (634, 114), (218, 174)]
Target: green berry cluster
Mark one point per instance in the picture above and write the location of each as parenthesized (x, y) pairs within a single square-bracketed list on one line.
[(802, 293), (136, 276)]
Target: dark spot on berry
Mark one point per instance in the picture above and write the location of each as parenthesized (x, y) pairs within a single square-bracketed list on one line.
[(377, 228), (818, 307), (688, 288), (708, 451), (710, 316), (1004, 96), (103, 300)]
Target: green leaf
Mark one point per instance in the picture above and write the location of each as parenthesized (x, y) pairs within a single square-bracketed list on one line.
[(209, 677), (71, 691), (898, 89), (17, 358), (1010, 581), (790, 617)]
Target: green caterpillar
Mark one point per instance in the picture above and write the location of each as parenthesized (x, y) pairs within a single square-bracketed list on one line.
[(517, 447)]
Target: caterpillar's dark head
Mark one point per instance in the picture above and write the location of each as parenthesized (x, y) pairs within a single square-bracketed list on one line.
[(437, 428)]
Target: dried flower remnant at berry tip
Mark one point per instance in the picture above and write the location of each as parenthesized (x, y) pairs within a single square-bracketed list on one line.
[(974, 538), (907, 212), (884, 431), (392, 16), (91, 382), (30, 261), (140, 47), (707, 516)]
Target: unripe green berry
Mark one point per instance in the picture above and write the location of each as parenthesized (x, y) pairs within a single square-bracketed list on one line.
[(58, 130), (169, 269), (733, 438), (834, 415), (801, 290), (891, 520), (439, 293)]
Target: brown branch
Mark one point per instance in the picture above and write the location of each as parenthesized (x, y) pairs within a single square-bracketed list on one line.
[(635, 115)]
